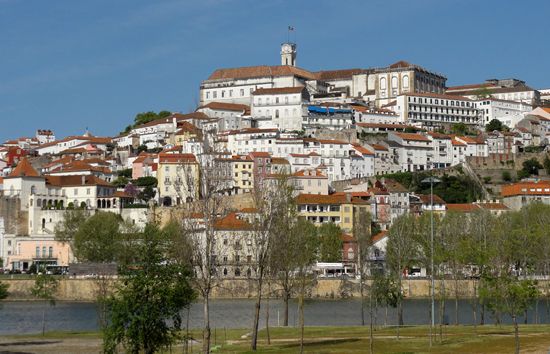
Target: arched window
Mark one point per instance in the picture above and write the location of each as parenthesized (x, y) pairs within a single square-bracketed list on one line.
[(383, 83), (405, 81), (394, 82), (237, 272), (33, 190), (50, 251), (37, 251), (44, 251), (39, 202)]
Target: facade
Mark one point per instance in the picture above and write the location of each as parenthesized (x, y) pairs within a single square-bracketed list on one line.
[(436, 110), (508, 112), (411, 151), (283, 107), (517, 195), (503, 89), (178, 178)]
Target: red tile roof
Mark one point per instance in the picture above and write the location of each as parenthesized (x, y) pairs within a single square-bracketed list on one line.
[(232, 222), (260, 71), (462, 208), (167, 158), (526, 188), (223, 106), (70, 181), (411, 136), (24, 169)]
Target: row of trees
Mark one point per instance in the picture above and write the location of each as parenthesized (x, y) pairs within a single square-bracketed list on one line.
[(504, 252)]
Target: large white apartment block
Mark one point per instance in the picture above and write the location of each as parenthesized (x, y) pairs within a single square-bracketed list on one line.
[(508, 112), (410, 151), (435, 110), (229, 115), (328, 117), (284, 108)]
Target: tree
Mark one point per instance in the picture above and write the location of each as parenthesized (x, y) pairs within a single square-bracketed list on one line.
[(306, 244), (4, 290), (273, 204), (45, 288), (145, 312), (400, 253), (508, 294), (546, 164), (506, 176), (98, 239), (482, 92), (531, 167), (147, 194), (330, 243), (66, 230), (459, 129), (146, 117), (146, 182), (495, 124)]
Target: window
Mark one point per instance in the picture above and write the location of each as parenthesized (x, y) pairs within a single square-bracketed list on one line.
[(215, 94), (405, 81), (75, 191), (37, 251), (383, 83), (394, 82), (207, 95), (276, 99), (242, 92), (50, 251), (276, 113), (44, 251), (223, 93), (237, 272)]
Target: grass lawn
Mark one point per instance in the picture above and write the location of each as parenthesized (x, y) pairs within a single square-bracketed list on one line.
[(455, 339)]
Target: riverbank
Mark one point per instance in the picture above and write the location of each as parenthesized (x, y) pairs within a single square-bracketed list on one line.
[(87, 289), (454, 339)]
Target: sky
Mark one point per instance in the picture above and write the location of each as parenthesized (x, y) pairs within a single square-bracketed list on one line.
[(69, 65)]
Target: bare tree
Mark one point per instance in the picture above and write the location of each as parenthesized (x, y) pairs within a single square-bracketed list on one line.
[(400, 253), (199, 225), (273, 204)]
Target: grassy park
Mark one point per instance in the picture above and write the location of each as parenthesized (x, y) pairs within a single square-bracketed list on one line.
[(414, 339)]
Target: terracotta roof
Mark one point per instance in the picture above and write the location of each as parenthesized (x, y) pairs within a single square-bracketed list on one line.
[(260, 71), (253, 131), (309, 173), (470, 140), (70, 181), (426, 199), (167, 158), (260, 154), (526, 188), (363, 150), (326, 75), (462, 208), (454, 142), (278, 90), (400, 64), (232, 222), (121, 194), (24, 169), (383, 125), (379, 147), (411, 136), (382, 234), (223, 106), (279, 161), (437, 135)]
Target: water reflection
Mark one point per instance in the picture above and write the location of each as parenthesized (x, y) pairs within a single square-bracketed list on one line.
[(26, 317)]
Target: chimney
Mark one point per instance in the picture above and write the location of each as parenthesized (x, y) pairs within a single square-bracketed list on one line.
[(83, 180), (348, 197)]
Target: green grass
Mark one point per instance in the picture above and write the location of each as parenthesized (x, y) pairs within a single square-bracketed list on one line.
[(332, 340)]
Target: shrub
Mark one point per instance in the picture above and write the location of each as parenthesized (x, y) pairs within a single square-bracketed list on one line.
[(506, 176)]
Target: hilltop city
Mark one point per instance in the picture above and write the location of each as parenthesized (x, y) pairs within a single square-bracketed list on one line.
[(345, 140)]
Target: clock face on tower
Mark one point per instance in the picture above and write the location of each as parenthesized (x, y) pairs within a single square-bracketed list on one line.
[(287, 48)]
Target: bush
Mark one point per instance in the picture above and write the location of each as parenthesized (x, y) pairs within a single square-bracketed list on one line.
[(487, 179), (506, 176), (70, 205)]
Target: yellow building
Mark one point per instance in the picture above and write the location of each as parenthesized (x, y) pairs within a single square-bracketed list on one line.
[(178, 178), (186, 131), (338, 208)]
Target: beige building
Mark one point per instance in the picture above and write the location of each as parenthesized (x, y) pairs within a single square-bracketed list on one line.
[(178, 178)]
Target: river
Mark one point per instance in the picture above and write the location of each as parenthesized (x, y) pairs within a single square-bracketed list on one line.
[(19, 317)]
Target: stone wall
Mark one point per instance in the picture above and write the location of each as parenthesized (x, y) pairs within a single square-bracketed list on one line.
[(16, 221), (87, 289)]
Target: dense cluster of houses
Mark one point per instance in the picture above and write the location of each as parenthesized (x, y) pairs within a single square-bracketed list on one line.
[(319, 129)]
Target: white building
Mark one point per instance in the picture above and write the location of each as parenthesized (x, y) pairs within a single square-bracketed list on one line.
[(435, 110), (508, 112), (283, 107), (410, 151)]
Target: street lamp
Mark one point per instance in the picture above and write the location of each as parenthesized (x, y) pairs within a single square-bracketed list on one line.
[(431, 180)]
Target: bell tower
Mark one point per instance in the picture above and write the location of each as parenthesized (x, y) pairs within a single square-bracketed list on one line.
[(288, 54)]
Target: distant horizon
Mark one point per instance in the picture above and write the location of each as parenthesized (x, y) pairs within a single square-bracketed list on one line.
[(96, 65)]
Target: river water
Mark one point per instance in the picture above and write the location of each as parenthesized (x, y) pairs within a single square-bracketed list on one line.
[(26, 317)]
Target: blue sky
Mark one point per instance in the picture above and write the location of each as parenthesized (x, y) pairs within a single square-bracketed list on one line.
[(67, 65)]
